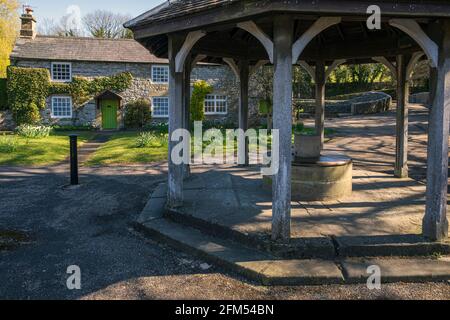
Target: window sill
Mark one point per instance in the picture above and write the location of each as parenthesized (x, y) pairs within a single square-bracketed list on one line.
[(58, 118), (61, 81)]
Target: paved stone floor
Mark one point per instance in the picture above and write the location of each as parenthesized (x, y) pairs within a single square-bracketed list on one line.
[(380, 205), (370, 141), (237, 198)]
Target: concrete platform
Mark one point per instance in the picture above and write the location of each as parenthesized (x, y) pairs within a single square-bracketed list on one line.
[(382, 217), (398, 270), (256, 262), (269, 270), (253, 264)]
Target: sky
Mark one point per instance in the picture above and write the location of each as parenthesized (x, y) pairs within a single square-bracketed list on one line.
[(55, 9)]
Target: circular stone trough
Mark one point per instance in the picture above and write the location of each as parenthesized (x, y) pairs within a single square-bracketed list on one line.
[(328, 178)]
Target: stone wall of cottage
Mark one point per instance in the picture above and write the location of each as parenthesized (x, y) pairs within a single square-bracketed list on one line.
[(221, 78)]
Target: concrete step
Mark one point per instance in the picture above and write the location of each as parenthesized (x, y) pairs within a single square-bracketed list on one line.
[(398, 270), (248, 260), (392, 245), (311, 248), (251, 263), (321, 248), (269, 270)]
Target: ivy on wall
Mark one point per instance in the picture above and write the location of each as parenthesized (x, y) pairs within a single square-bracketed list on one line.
[(83, 90), (28, 89), (201, 90)]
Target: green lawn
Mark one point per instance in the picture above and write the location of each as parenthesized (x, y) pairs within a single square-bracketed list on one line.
[(20, 151), (122, 149)]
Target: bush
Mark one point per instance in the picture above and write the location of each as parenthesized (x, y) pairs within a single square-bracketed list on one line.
[(73, 128), (153, 140), (298, 128), (26, 113), (8, 144), (201, 90), (3, 95), (162, 127), (138, 114), (33, 132)]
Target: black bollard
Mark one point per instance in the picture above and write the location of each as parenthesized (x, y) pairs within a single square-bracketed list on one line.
[(73, 159)]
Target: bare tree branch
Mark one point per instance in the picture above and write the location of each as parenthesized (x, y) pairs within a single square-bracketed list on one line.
[(106, 24)]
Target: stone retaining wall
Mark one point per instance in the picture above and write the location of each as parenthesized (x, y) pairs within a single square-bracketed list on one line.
[(370, 103), (420, 98), (379, 105), (6, 121)]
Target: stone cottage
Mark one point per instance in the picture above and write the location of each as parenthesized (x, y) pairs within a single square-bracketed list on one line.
[(69, 57)]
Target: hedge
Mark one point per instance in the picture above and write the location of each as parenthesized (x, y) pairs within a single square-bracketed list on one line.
[(3, 95), (27, 91)]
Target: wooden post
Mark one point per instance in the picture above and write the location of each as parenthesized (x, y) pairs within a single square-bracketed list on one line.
[(401, 154), (73, 138), (176, 102), (187, 105), (320, 101), (282, 121), (435, 223), (244, 71)]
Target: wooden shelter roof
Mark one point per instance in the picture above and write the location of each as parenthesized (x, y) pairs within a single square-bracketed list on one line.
[(350, 39)]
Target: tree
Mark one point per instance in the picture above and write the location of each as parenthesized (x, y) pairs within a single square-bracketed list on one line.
[(8, 31), (62, 28), (263, 81), (201, 90), (106, 24)]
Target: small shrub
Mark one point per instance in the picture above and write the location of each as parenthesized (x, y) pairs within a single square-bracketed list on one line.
[(26, 113), (60, 128), (33, 132), (151, 140), (8, 144), (138, 114), (162, 127), (299, 128)]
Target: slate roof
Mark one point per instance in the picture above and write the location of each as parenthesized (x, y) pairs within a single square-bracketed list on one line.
[(83, 49), (177, 8)]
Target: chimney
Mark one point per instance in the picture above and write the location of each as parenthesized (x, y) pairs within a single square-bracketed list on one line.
[(28, 27)]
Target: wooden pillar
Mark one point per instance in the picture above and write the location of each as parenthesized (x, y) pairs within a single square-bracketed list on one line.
[(435, 223), (282, 121), (187, 105), (401, 154), (320, 101), (176, 106), (187, 93), (244, 71)]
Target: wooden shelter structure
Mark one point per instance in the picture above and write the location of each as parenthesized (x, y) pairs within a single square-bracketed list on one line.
[(319, 35)]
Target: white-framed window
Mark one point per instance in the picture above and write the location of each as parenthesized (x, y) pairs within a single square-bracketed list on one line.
[(61, 107), (61, 71), (160, 107), (216, 104), (160, 74)]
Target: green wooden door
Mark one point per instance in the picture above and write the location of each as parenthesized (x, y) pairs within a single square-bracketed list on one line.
[(109, 114)]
